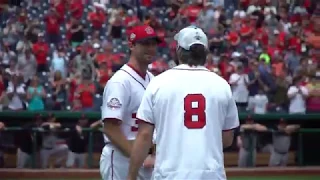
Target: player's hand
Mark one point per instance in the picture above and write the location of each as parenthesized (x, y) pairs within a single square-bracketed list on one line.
[(2, 126), (239, 144), (45, 124), (79, 129), (149, 161), (247, 126)]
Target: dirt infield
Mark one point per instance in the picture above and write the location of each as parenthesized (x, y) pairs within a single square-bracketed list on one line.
[(94, 173)]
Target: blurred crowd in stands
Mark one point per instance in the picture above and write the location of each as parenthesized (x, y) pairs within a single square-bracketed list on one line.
[(59, 54)]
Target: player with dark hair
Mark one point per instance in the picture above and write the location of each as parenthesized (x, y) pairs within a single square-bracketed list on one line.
[(193, 113), (121, 99)]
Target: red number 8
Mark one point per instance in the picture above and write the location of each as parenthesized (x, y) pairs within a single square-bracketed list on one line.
[(198, 111)]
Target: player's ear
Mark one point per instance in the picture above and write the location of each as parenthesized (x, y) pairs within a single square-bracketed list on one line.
[(178, 50), (177, 55), (131, 45)]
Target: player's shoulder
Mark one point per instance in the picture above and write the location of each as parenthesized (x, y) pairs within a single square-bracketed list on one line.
[(219, 81), (119, 76), (118, 80), (161, 77)]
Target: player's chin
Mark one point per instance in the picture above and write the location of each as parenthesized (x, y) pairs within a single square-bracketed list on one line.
[(149, 57), (148, 61)]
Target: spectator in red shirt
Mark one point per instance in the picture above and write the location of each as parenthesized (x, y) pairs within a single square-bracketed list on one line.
[(97, 18), (234, 39), (76, 8), (59, 7), (278, 65), (131, 19), (295, 41), (105, 56), (261, 35), (162, 35), (53, 27), (158, 66), (103, 75), (272, 48), (225, 67), (86, 92), (193, 11), (146, 3), (41, 51), (74, 81)]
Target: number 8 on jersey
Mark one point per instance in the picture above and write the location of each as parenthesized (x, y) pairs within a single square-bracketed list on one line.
[(194, 107)]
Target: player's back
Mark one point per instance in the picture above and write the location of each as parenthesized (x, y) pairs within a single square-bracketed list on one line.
[(190, 111)]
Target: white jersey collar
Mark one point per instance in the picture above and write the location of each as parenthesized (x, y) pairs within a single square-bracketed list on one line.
[(186, 67), (136, 76)]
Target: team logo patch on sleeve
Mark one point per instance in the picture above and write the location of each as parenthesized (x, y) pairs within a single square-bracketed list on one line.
[(114, 103)]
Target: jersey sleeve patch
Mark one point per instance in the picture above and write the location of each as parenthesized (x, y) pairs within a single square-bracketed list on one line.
[(114, 103)]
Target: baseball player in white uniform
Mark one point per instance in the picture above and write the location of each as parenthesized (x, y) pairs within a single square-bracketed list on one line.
[(121, 100), (193, 113)]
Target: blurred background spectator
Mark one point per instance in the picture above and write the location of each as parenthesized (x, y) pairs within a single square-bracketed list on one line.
[(24, 138), (35, 95), (77, 143), (52, 145), (2, 126)]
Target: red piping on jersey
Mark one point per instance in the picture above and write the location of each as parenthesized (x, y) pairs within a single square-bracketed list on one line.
[(139, 120), (230, 129), (112, 164), (141, 74), (135, 78)]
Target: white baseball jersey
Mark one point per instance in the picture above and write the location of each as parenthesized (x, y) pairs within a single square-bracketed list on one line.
[(122, 97), (190, 107)]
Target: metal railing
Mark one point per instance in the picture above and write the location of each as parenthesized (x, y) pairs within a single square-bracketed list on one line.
[(90, 132), (300, 148)]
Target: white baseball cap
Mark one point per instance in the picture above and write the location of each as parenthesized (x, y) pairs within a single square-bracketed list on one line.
[(189, 36)]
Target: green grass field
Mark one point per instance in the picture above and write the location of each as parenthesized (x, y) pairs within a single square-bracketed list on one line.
[(232, 178), (277, 178)]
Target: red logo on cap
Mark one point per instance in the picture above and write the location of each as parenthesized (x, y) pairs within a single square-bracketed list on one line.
[(141, 32)]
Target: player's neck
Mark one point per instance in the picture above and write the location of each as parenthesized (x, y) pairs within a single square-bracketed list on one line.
[(139, 67)]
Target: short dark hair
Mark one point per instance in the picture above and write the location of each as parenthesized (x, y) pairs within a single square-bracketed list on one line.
[(296, 80), (197, 55)]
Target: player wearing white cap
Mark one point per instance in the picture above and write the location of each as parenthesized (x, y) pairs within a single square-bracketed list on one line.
[(121, 99), (193, 113)]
